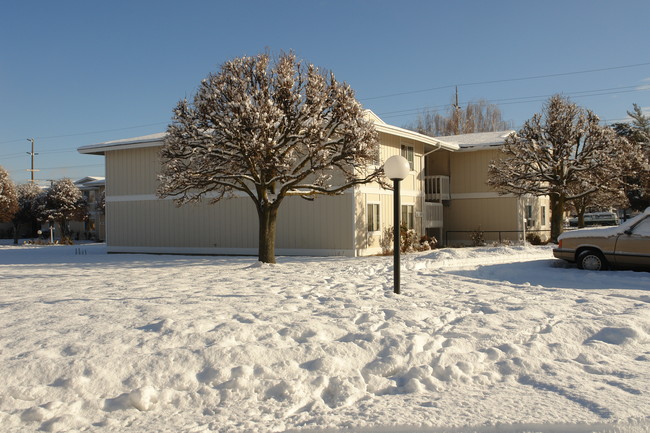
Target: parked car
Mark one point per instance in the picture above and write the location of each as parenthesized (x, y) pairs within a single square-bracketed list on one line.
[(596, 219), (624, 246)]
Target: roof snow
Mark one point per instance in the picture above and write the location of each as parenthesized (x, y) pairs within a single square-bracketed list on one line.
[(158, 138), (134, 142), (477, 140)]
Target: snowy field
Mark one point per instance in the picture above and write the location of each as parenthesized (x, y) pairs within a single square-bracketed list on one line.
[(495, 339)]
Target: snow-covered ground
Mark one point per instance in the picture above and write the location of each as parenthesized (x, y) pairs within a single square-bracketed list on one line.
[(494, 339)]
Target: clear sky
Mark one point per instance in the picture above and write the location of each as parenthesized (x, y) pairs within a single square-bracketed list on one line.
[(74, 73)]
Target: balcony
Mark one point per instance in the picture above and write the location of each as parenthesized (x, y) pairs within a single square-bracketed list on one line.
[(432, 215), (436, 188)]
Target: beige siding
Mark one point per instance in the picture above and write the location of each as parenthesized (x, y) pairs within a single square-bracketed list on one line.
[(391, 145), (469, 171), (368, 242), (324, 224), (132, 171), (487, 214), (329, 224), (437, 163)]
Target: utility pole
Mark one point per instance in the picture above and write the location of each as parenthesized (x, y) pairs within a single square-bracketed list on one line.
[(32, 155), (457, 107)]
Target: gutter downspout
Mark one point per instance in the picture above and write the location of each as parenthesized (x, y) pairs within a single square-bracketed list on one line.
[(424, 186)]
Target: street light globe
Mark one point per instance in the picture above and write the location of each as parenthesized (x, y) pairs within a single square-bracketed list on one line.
[(396, 167)]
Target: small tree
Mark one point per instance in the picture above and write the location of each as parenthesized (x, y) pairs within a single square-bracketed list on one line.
[(61, 203), (563, 153), (27, 213), (8, 199), (270, 130)]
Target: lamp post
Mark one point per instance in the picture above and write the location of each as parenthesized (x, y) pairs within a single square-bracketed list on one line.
[(396, 169)]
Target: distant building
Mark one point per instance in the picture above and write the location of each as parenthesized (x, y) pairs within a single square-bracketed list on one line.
[(94, 227)]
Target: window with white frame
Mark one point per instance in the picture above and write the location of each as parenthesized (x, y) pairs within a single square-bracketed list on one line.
[(529, 216), (408, 153), (408, 217), (373, 217), (543, 222)]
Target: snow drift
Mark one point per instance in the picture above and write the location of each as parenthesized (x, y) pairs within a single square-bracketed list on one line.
[(487, 339)]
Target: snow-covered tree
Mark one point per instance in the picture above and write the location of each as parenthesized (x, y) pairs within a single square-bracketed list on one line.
[(8, 199), (478, 116), (563, 153), (268, 129), (26, 214), (62, 203), (638, 131)]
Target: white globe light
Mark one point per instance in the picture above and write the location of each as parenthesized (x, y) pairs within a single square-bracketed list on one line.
[(396, 167)]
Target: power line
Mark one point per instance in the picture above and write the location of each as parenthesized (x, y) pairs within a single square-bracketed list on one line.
[(520, 100), (505, 80), (86, 133), (389, 114), (61, 168)]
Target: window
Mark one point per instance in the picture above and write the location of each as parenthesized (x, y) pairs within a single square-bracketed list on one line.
[(529, 216), (543, 216), (373, 217), (407, 216), (407, 152), (642, 228)]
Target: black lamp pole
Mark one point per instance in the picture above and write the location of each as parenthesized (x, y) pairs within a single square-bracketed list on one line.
[(396, 235), (396, 168)]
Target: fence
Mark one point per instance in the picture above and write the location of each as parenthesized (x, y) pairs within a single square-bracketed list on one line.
[(491, 235)]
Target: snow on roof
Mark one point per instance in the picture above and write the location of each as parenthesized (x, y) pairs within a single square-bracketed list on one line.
[(134, 142), (382, 126), (477, 140), (90, 182), (157, 139), (88, 179)]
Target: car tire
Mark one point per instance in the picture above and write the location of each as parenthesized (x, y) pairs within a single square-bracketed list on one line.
[(592, 260)]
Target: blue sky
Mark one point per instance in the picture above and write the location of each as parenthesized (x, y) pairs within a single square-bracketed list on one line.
[(74, 73)]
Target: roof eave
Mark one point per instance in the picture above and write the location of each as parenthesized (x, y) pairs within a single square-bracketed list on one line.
[(416, 136), (102, 148)]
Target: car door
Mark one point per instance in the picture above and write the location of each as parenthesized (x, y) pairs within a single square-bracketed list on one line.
[(633, 246)]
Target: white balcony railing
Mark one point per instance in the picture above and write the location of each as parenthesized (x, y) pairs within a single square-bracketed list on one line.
[(436, 188), (432, 215)]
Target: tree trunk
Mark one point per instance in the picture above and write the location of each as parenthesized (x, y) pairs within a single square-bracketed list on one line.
[(581, 208), (266, 248), (581, 218), (557, 216), (63, 226), (16, 228)]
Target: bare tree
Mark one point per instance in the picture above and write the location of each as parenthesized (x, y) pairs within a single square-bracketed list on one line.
[(268, 129), (479, 116), (8, 199), (563, 153)]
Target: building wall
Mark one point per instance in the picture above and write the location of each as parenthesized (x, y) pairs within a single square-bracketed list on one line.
[(469, 171), (137, 221), (475, 205), (368, 242), (132, 171), (464, 216), (410, 194), (438, 163)]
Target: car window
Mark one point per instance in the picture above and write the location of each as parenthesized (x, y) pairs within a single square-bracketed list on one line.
[(643, 228)]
